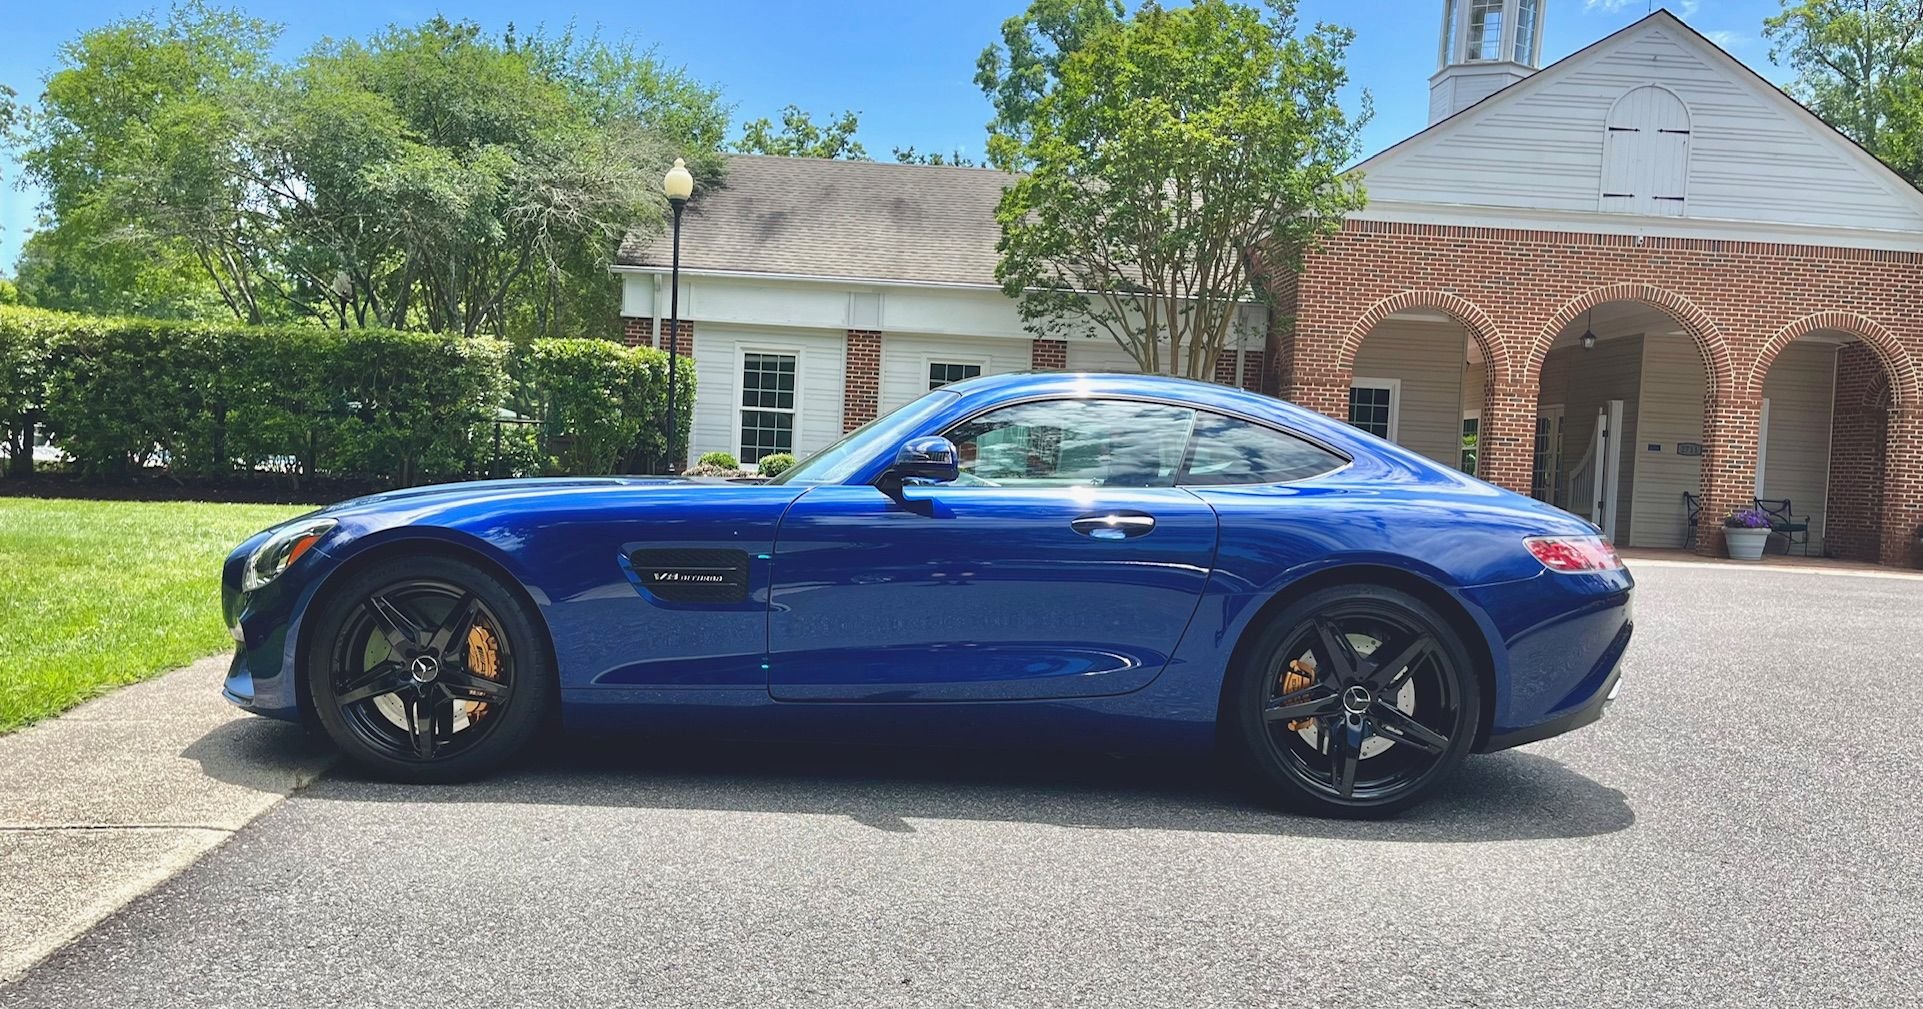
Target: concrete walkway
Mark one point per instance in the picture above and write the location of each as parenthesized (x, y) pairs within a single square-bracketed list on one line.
[(1650, 556), (106, 802)]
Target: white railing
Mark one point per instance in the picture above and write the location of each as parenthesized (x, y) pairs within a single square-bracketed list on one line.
[(1582, 485)]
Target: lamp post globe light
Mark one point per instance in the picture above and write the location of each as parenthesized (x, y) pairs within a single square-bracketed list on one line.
[(677, 185)]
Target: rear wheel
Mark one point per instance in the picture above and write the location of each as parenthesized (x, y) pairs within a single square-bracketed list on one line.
[(1354, 701), (427, 669)]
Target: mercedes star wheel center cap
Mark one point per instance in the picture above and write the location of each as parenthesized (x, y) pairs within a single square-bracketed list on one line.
[(1356, 699), (424, 669)]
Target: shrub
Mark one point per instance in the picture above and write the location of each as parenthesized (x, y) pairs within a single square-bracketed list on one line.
[(207, 399), (774, 465), (367, 405), (724, 460), (710, 469), (604, 403), (23, 381)]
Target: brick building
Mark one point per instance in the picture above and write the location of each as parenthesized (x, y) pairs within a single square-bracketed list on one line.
[(1640, 273)]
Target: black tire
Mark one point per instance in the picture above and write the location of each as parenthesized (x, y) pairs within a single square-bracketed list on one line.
[(484, 696), (1348, 738)]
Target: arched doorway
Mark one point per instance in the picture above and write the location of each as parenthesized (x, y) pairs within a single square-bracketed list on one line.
[(1420, 369), (1828, 383), (1620, 416)]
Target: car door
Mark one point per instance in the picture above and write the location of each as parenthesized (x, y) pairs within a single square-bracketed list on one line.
[(1063, 563)]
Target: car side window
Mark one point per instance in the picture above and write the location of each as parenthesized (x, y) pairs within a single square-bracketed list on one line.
[(1074, 442), (1230, 451)]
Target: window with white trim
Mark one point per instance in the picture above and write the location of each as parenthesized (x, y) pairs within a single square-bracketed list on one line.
[(1528, 18), (942, 373), (1471, 440), (767, 404), (1485, 30), (1373, 404)]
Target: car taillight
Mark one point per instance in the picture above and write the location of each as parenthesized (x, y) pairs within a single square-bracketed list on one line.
[(1574, 554)]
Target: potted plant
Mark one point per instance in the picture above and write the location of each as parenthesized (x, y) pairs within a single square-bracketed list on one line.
[(1746, 531)]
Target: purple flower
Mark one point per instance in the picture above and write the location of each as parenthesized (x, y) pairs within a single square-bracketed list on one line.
[(1747, 518)]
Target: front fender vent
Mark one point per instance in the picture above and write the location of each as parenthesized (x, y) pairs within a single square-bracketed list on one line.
[(692, 576)]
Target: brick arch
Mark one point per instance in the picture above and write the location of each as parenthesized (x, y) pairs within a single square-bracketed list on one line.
[(1877, 396), (1481, 328), (1899, 369), (1708, 337)]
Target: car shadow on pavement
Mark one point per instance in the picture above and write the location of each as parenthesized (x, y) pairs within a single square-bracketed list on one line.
[(1513, 795)]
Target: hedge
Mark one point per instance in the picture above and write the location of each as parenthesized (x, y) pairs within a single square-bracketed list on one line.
[(381, 406)]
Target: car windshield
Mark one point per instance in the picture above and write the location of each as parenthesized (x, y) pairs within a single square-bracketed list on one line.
[(841, 460)]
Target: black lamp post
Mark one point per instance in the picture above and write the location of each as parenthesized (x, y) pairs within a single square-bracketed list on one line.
[(678, 185)]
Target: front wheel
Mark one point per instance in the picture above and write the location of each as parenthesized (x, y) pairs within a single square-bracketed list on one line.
[(1354, 701), (427, 669)]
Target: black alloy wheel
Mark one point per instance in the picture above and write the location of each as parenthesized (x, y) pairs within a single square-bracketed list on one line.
[(1355, 701), (427, 668)]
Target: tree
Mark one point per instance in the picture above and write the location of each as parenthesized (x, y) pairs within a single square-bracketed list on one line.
[(799, 137), (143, 135), (1859, 65), (1018, 73), (427, 177), (64, 268), (431, 173), (910, 156), (1163, 152), (9, 112)]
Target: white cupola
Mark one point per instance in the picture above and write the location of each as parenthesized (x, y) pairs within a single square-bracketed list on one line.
[(1487, 45)]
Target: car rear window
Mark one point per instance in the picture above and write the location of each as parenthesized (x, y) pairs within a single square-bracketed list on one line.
[(1229, 451)]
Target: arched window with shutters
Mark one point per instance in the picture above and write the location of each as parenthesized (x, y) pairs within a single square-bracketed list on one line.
[(1645, 167)]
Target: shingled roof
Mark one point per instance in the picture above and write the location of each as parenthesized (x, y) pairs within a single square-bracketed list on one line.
[(859, 220)]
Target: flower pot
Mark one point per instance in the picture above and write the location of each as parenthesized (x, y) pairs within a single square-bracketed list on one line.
[(1745, 544)]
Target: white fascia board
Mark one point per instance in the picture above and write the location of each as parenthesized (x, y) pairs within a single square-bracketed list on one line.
[(1712, 229), (801, 278)]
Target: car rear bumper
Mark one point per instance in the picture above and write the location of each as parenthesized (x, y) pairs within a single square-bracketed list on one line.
[(1597, 691)]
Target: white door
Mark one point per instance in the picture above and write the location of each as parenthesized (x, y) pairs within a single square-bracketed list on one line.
[(1608, 450), (1594, 479)]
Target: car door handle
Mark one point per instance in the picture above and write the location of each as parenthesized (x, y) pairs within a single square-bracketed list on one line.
[(1114, 526)]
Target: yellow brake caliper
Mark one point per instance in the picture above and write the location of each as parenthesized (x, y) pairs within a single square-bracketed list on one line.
[(1299, 676), (483, 660)]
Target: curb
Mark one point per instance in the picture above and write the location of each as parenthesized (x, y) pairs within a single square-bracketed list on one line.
[(102, 804)]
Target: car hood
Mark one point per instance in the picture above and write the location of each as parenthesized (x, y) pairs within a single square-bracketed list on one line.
[(438, 496)]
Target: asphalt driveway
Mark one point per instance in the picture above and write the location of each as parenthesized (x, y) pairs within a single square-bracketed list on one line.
[(1745, 828)]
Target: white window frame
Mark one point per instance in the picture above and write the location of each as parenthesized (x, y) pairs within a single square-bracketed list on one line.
[(930, 360), (1468, 415), (1533, 54), (1504, 31), (1451, 30), (1394, 385), (1554, 413), (741, 352)]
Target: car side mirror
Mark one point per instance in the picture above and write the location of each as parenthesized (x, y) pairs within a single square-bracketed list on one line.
[(926, 460)]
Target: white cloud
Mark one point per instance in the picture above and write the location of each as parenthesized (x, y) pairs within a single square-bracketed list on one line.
[(1728, 40)]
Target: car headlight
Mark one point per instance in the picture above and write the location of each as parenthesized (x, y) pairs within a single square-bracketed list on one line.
[(280, 551)]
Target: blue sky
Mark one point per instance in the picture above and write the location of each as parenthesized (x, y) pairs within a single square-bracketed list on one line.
[(906, 66)]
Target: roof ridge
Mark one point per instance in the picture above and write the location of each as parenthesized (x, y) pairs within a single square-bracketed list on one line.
[(862, 162)]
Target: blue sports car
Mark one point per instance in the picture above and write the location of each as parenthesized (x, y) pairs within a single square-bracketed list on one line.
[(1110, 561)]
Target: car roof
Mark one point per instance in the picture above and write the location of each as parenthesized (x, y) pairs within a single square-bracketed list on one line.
[(988, 389)]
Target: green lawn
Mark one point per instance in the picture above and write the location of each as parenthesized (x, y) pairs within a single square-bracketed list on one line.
[(95, 594)]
